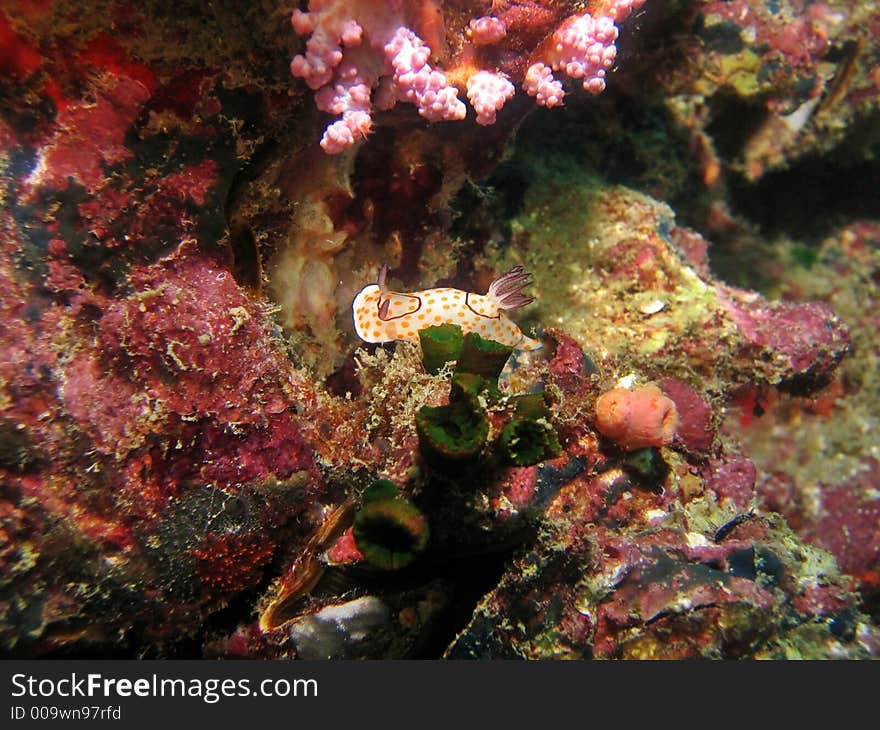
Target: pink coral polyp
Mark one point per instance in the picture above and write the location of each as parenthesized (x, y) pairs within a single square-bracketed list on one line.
[(487, 93), (486, 30)]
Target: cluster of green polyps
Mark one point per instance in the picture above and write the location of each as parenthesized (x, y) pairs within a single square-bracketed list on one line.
[(389, 530), (456, 433), (528, 437)]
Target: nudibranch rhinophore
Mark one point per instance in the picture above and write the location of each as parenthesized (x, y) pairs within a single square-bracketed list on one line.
[(382, 315)]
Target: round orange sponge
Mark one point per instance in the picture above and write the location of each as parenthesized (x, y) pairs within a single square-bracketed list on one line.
[(635, 419)]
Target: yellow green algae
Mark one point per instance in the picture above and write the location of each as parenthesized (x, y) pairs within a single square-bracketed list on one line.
[(607, 273), (741, 71), (377, 430), (835, 440), (810, 641)]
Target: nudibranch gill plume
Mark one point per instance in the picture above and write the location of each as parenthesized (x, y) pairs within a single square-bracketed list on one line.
[(382, 315)]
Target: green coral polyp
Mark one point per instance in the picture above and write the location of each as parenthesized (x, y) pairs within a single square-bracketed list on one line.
[(454, 432), (457, 432), (440, 344), (525, 442), (390, 533), (479, 361), (379, 491), (468, 386), (483, 357), (532, 405)]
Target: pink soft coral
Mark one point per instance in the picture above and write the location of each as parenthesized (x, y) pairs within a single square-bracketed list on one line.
[(362, 55), (583, 47), (417, 82), (487, 93), (358, 48)]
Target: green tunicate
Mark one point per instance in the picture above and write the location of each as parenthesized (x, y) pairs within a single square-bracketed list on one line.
[(641, 460), (524, 442), (440, 344), (379, 490), (482, 357), (646, 465), (804, 256), (451, 433), (469, 386), (532, 405), (390, 533)]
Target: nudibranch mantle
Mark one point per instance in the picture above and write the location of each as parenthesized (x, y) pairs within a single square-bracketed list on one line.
[(382, 315)]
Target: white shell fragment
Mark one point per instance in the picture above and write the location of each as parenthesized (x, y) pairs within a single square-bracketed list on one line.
[(658, 305)]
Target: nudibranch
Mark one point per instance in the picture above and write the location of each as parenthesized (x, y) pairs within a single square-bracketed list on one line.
[(382, 315)]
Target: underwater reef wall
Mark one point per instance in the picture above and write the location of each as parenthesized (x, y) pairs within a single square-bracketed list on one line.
[(200, 458)]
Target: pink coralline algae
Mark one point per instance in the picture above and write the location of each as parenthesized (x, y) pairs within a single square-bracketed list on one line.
[(156, 442), (695, 430), (793, 331), (661, 590), (81, 157), (361, 56), (843, 520)]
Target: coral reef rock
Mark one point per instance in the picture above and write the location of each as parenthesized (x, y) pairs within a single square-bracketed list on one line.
[(200, 457)]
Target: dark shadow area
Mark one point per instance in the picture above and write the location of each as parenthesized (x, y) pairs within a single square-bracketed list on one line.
[(471, 579), (818, 193)]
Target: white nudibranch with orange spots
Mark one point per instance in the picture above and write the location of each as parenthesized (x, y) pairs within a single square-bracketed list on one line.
[(382, 315)]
